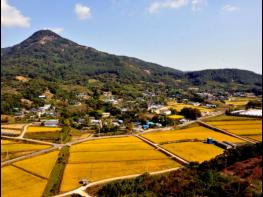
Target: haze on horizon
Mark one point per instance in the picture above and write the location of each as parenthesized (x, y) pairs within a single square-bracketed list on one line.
[(182, 34)]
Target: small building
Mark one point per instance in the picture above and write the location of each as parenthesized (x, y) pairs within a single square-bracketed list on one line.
[(165, 112), (105, 115), (51, 123), (42, 96)]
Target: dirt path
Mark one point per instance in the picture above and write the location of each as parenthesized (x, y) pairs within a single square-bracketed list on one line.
[(24, 130)]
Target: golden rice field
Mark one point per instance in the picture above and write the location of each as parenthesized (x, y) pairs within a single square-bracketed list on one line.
[(243, 128), (41, 165), (176, 117), (16, 182), (108, 158), (194, 151), (12, 149), (255, 137), (42, 129), (198, 132)]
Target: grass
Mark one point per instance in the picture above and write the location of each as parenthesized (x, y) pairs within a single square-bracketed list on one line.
[(45, 136), (15, 182), (107, 158), (194, 151), (41, 165), (55, 178), (198, 132), (42, 129)]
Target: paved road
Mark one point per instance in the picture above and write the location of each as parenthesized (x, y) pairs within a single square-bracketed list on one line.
[(82, 190)]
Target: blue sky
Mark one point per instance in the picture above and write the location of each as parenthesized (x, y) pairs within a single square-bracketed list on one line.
[(182, 34)]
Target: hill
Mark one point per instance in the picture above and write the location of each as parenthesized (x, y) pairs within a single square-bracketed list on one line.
[(48, 56)]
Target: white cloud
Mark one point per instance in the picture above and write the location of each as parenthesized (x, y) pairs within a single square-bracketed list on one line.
[(83, 12), (56, 29), (198, 4), (12, 17), (172, 4), (231, 8)]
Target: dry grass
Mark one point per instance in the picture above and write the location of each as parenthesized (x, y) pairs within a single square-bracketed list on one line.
[(41, 165), (107, 158), (15, 182), (42, 129), (199, 132), (194, 151)]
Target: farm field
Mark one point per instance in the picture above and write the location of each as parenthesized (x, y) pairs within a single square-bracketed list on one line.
[(238, 101), (16, 149), (16, 182), (107, 158), (194, 151), (180, 106), (228, 118), (27, 177), (247, 128), (176, 117), (198, 133), (42, 129)]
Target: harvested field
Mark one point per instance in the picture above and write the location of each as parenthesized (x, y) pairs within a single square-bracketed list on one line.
[(107, 158), (228, 118), (194, 151), (16, 182), (12, 126), (180, 106), (199, 133)]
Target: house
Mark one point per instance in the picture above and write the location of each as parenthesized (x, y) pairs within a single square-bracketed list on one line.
[(165, 112), (51, 123), (105, 114), (95, 122), (42, 96)]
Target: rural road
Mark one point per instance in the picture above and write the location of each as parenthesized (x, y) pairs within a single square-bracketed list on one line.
[(24, 130), (82, 190)]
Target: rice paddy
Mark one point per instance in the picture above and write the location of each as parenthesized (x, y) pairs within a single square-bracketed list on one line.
[(42, 129), (198, 133), (176, 117), (246, 128), (194, 151), (179, 106), (27, 177), (12, 149), (107, 158)]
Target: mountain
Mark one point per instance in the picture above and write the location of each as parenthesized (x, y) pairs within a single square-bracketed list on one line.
[(50, 57)]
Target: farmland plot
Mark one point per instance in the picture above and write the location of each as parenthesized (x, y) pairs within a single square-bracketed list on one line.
[(198, 133), (194, 151), (42, 129), (27, 177), (249, 128), (108, 158), (12, 149)]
